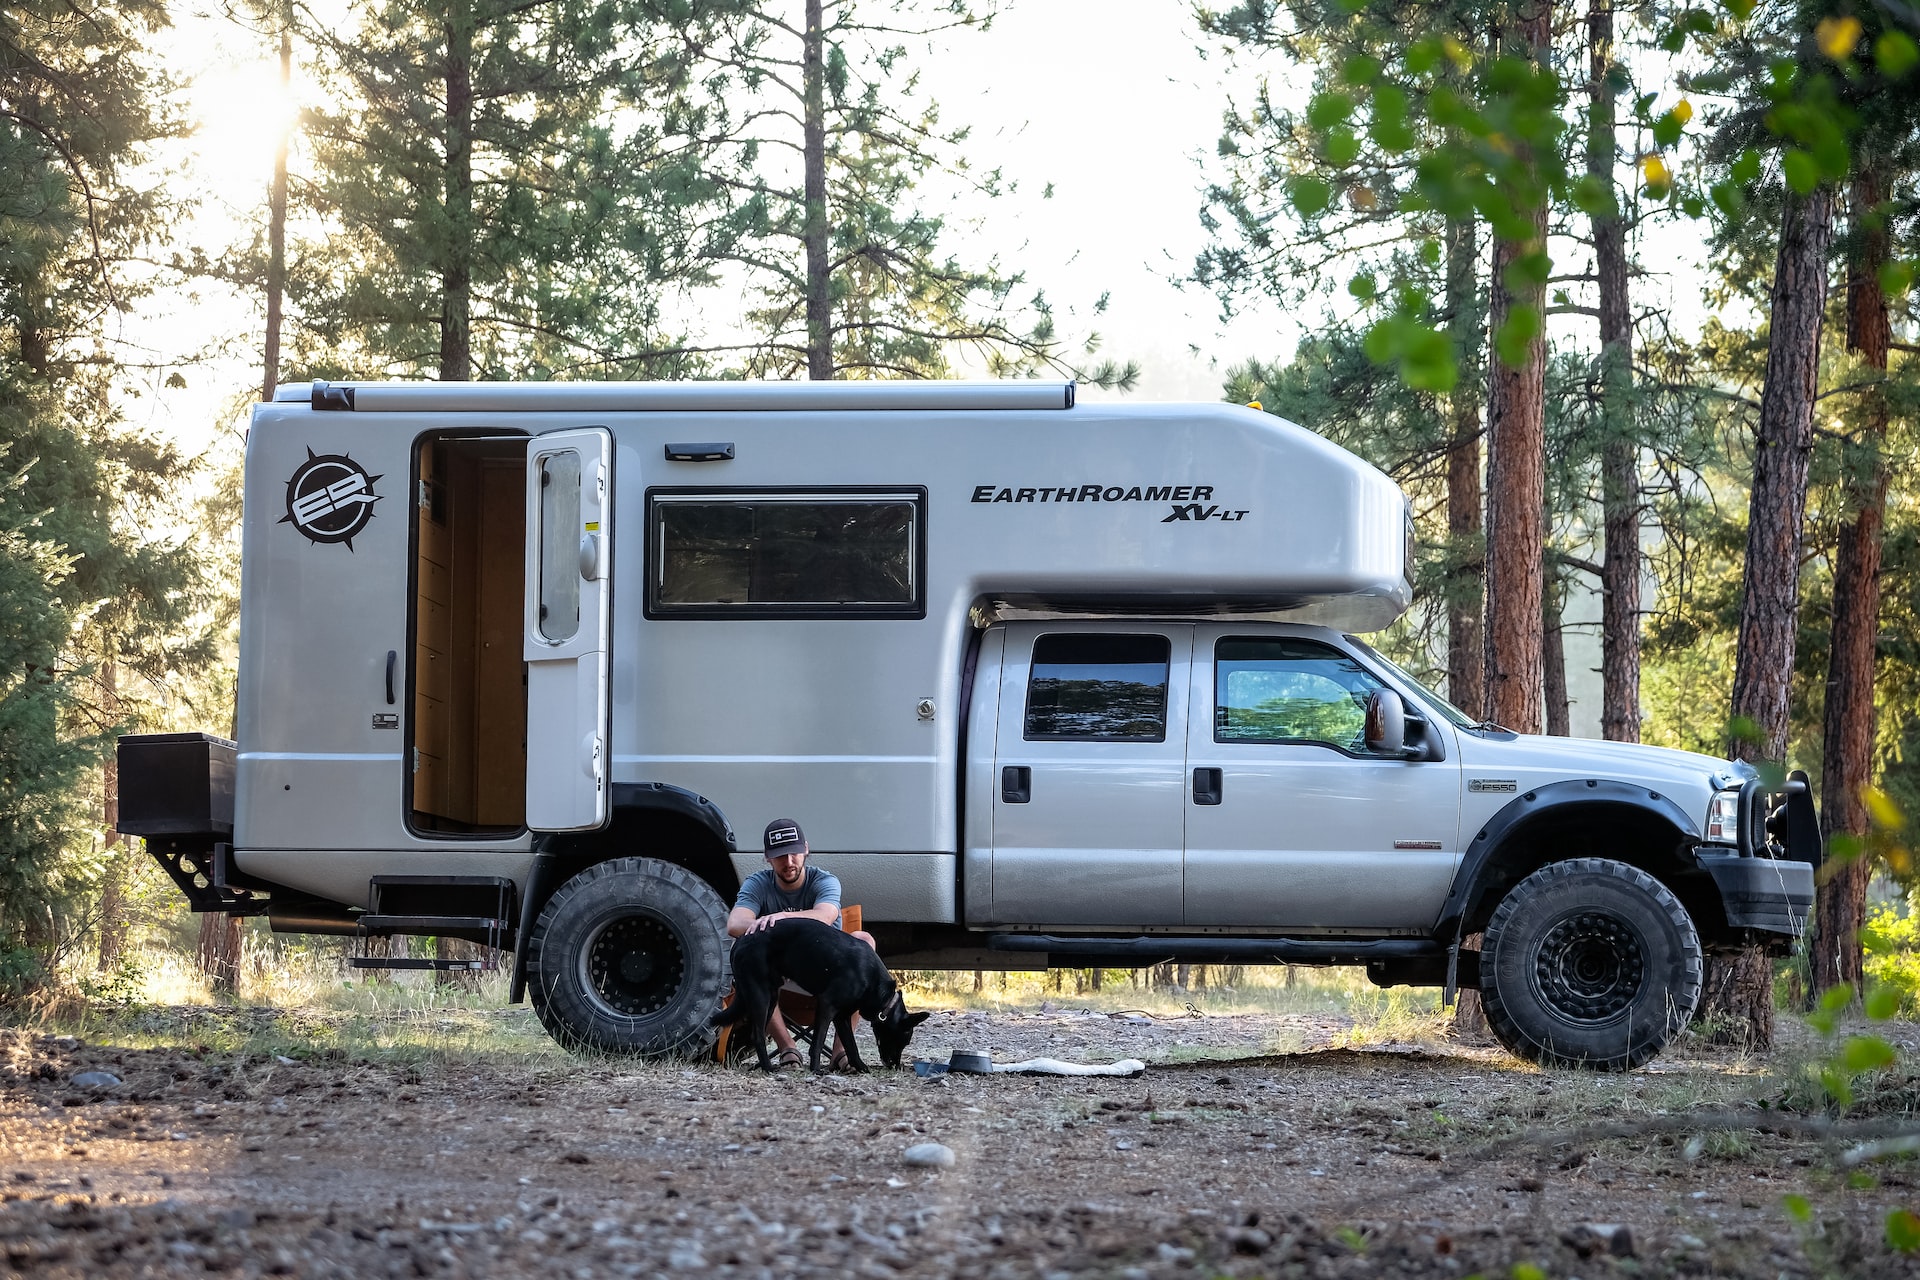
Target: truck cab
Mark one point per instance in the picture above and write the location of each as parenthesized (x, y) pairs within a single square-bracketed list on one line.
[(1046, 682)]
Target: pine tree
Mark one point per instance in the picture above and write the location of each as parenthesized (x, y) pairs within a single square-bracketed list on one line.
[(511, 190), (829, 148), (94, 609)]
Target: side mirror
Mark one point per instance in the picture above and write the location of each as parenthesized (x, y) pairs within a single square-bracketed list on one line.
[(1386, 723)]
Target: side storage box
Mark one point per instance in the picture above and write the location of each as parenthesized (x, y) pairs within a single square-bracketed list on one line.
[(176, 784)]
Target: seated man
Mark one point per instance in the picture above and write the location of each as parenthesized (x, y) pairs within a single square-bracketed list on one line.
[(788, 889)]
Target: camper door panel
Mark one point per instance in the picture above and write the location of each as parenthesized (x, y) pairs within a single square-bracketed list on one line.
[(324, 591)]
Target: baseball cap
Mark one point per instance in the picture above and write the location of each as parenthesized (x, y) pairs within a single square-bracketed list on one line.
[(783, 837)]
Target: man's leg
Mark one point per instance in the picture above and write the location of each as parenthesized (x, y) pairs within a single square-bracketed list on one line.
[(777, 1028)]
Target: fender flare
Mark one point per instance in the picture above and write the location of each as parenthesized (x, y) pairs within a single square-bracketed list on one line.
[(555, 854), (1470, 881)]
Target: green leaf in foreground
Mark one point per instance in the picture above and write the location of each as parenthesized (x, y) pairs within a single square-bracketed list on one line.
[(1896, 278), (1866, 1053), (1309, 195), (1802, 172), (1882, 1003), (1515, 336), (1903, 1231), (1798, 1208), (1895, 53)]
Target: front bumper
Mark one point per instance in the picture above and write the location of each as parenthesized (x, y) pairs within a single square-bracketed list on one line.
[(1764, 895)]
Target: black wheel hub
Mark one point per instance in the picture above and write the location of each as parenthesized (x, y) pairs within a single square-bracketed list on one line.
[(1589, 967), (634, 966)]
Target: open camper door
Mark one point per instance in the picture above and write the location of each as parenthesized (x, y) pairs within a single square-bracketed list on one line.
[(568, 629)]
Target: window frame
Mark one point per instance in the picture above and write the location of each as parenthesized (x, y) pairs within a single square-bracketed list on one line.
[(1166, 708), (655, 551), (1213, 697)]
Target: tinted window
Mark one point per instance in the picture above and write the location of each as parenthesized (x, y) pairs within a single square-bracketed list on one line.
[(1093, 686), (819, 553), (1285, 690)]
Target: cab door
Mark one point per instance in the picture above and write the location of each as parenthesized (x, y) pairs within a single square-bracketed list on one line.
[(568, 628), (1292, 821), (1089, 768)]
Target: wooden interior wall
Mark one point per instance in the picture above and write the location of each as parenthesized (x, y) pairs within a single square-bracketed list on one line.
[(470, 704)]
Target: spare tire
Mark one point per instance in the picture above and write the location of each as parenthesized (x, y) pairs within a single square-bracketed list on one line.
[(1589, 963), (630, 956)]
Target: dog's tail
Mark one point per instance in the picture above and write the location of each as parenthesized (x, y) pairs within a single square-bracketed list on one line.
[(729, 1015)]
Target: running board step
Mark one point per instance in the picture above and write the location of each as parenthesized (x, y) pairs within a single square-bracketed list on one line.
[(1139, 951), (408, 962)]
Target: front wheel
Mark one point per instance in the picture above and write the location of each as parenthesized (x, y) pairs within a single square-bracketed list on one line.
[(630, 956), (1589, 963)]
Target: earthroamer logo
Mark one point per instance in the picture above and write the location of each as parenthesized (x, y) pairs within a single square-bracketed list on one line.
[(330, 498), (1187, 501)]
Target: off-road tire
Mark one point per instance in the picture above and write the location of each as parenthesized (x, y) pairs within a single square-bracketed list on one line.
[(1589, 963), (630, 956)]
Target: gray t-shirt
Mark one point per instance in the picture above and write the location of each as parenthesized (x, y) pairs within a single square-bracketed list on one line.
[(761, 892)]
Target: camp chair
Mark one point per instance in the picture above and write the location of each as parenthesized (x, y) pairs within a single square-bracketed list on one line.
[(735, 1046)]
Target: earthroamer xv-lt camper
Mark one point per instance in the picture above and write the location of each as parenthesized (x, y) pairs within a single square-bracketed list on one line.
[(1045, 682)]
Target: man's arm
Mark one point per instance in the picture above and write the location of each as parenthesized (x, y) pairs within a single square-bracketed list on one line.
[(739, 921), (827, 913)]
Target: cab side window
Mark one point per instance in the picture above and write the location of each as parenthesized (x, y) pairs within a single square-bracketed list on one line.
[(1109, 688), (1279, 689)]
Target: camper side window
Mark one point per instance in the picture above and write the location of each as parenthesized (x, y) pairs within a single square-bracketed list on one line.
[(785, 555), (1288, 690), (560, 546), (1107, 687)]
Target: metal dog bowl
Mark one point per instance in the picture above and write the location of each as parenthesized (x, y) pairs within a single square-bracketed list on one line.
[(971, 1062)]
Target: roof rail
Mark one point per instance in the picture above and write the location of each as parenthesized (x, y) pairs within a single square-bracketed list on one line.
[(679, 397)]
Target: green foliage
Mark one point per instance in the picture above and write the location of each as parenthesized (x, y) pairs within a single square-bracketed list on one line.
[(86, 592), (508, 191)]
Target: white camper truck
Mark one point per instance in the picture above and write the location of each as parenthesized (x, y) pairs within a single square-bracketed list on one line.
[(1046, 683)]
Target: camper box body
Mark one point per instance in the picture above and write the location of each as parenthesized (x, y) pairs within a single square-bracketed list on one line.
[(383, 630)]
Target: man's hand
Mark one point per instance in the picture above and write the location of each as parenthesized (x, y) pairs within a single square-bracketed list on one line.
[(767, 922)]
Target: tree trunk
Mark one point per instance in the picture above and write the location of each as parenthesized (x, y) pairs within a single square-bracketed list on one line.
[(1553, 666), (277, 225), (1737, 1000), (1469, 1015), (1846, 763), (456, 273), (1619, 455), (814, 233), (1098, 975), (113, 922), (1516, 462), (1770, 600), (979, 980), (1466, 589), (219, 952)]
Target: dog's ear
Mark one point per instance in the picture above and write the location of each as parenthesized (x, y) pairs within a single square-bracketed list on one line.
[(915, 1019)]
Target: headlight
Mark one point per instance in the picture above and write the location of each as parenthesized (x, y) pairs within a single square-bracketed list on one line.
[(1723, 818)]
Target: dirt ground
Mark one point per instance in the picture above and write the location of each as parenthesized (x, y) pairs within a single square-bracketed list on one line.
[(1226, 1157)]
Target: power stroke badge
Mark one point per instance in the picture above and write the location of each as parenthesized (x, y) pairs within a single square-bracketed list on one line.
[(1184, 501), (330, 498)]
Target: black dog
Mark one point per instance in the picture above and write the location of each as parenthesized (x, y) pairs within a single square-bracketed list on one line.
[(844, 976)]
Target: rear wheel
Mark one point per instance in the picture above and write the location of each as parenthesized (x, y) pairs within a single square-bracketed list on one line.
[(630, 956), (1589, 963)]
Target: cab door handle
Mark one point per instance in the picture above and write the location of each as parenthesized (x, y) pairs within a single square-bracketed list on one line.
[(1016, 784), (1206, 786)]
